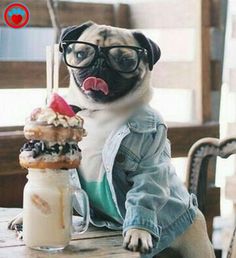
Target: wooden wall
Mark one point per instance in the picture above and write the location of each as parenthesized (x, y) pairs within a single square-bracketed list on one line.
[(190, 34)]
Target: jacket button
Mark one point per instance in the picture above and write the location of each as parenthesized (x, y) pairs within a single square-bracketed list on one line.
[(133, 124), (120, 158)]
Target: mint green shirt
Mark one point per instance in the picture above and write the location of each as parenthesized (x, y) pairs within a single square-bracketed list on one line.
[(100, 197)]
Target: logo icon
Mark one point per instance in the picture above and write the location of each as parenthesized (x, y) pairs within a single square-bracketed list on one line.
[(16, 15)]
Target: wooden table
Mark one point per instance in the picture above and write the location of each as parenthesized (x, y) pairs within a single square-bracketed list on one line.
[(94, 243)]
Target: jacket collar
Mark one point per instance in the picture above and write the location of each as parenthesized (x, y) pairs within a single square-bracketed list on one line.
[(145, 120)]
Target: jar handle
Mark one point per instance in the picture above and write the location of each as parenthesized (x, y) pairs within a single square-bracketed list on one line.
[(82, 205)]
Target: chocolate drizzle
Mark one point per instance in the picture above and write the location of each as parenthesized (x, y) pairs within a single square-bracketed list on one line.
[(39, 147)]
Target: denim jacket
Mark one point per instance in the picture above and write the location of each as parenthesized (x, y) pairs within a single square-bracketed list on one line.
[(144, 186)]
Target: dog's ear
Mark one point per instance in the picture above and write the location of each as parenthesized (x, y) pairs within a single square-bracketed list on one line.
[(73, 32), (153, 50)]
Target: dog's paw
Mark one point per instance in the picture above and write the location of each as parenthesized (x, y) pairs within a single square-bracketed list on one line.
[(15, 221), (138, 240)]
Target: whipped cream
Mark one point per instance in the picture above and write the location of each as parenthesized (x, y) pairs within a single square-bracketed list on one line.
[(49, 116)]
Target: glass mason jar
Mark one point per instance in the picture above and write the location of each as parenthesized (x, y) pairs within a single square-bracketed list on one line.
[(47, 209)]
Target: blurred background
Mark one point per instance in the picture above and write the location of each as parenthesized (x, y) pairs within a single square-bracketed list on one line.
[(194, 81)]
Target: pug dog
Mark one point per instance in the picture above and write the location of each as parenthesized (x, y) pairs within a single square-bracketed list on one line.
[(125, 168)]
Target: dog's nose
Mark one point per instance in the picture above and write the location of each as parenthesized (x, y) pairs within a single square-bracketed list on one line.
[(100, 65), (100, 62)]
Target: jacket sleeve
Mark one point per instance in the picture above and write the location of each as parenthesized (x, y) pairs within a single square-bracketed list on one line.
[(150, 188)]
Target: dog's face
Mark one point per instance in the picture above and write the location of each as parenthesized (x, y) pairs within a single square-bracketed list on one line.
[(107, 63)]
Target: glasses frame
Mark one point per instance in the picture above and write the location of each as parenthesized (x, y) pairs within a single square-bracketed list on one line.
[(98, 50)]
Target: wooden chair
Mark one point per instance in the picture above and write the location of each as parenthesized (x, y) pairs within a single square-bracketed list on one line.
[(201, 179)]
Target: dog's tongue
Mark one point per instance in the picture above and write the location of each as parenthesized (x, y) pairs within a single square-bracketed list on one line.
[(94, 83)]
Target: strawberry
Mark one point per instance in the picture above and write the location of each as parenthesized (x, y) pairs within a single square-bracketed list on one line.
[(59, 105)]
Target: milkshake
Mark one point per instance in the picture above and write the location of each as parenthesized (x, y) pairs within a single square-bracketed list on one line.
[(47, 211), (52, 150)]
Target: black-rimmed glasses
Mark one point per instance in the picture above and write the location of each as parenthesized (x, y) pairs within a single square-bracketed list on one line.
[(80, 54)]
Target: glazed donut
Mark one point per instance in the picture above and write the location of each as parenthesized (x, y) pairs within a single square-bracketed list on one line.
[(50, 126), (51, 133), (36, 154), (62, 163)]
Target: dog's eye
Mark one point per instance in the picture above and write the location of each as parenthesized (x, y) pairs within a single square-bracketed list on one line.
[(122, 58), (81, 55), (125, 61)]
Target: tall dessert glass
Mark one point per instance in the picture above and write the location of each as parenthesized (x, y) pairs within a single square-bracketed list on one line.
[(47, 213)]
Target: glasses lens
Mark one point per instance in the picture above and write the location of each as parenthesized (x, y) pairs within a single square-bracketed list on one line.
[(123, 59), (79, 54)]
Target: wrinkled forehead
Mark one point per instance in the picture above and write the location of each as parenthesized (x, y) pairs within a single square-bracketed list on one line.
[(103, 35)]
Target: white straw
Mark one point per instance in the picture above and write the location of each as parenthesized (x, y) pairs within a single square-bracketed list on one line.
[(56, 68), (49, 59)]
